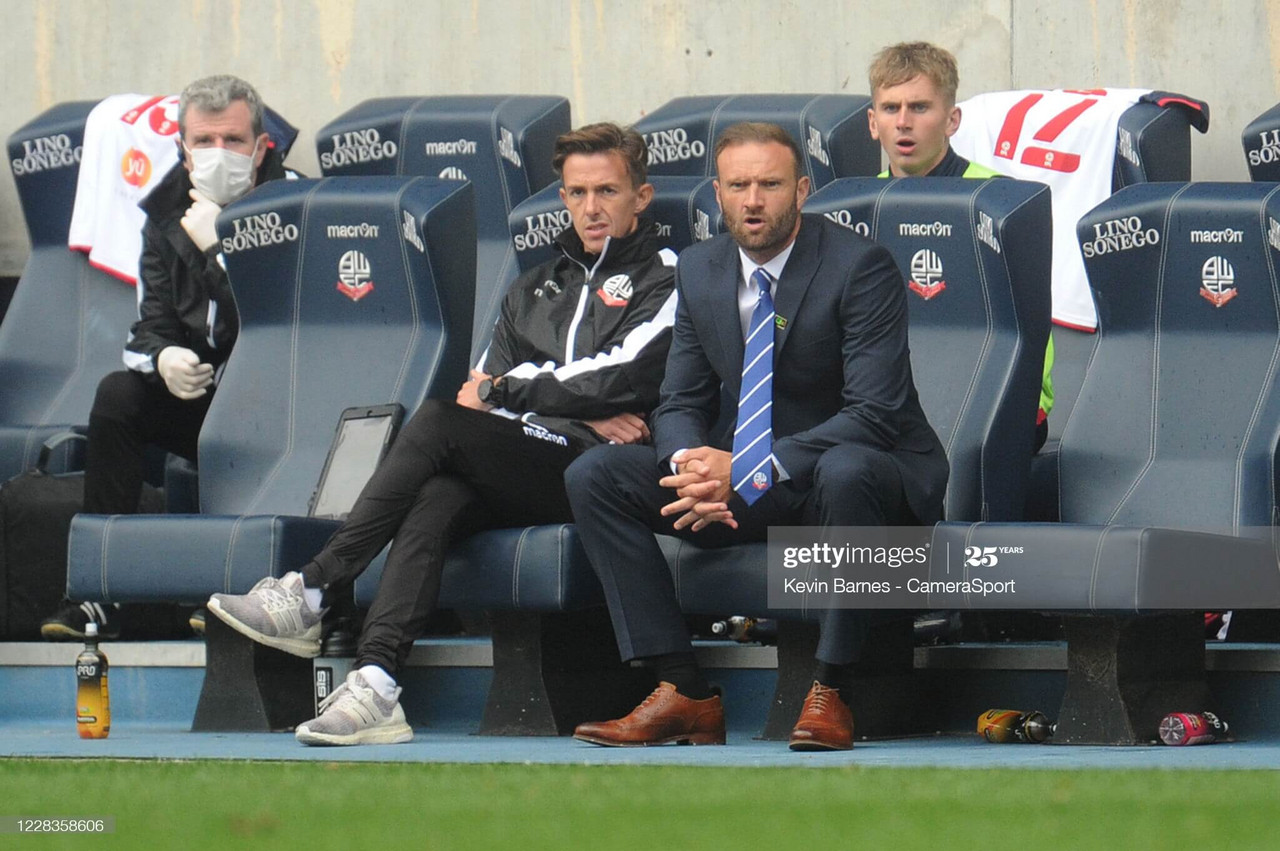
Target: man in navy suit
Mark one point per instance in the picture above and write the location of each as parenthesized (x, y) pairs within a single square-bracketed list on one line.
[(844, 442)]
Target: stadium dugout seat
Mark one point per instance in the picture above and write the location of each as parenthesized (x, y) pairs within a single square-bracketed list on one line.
[(1261, 141), (1167, 468), (501, 143), (542, 576), (831, 130), (352, 292), (980, 308), (1153, 144), (66, 325)]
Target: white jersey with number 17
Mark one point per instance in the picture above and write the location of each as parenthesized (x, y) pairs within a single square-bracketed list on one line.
[(1067, 139)]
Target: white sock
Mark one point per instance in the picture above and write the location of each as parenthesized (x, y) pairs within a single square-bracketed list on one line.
[(379, 680), (313, 596)]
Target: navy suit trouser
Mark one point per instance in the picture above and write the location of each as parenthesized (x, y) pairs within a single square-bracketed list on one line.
[(616, 503)]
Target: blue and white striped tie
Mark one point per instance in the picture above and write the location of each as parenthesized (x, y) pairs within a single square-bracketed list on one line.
[(752, 467)]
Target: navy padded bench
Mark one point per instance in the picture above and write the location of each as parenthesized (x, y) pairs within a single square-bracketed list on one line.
[(1167, 467), (979, 309), (973, 256), (544, 571), (684, 211)]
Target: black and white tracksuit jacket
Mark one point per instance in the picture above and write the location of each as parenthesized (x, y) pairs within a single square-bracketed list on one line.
[(585, 337)]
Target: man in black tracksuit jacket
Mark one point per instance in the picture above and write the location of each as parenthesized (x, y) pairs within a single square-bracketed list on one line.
[(576, 360), (187, 320)]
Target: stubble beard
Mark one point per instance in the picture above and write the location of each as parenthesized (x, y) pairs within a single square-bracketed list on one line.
[(775, 236)]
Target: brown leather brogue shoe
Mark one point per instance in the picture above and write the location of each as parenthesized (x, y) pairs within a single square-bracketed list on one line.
[(665, 716), (825, 724)]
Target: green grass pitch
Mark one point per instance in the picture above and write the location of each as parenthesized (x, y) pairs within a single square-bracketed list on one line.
[(229, 805)]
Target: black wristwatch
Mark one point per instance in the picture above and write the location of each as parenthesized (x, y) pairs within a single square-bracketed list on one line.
[(490, 393)]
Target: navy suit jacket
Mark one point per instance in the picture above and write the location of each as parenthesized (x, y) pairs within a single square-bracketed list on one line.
[(841, 363)]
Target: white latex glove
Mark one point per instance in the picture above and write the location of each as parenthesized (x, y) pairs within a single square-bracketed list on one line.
[(198, 221), (183, 373)]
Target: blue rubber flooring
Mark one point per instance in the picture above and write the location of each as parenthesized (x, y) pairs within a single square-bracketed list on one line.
[(138, 740)]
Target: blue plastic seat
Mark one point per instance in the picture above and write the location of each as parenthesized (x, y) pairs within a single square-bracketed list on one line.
[(833, 134), (975, 259)]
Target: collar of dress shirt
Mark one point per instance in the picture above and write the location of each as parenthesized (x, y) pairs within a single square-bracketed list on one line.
[(748, 294), (774, 267)]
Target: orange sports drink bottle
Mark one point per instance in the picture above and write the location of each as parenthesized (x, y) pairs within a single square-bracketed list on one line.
[(93, 704), (1010, 725)]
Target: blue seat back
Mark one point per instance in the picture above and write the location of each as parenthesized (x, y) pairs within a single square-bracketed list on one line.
[(67, 323), (1177, 420), (1153, 143), (831, 130), (351, 291), (975, 255), (683, 209), (1261, 141), (502, 144)]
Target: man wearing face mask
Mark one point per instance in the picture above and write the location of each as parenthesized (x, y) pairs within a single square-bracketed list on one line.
[(187, 320)]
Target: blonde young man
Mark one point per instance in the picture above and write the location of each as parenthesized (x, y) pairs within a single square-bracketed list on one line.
[(913, 114)]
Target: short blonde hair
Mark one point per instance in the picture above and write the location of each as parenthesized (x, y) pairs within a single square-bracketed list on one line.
[(899, 63)]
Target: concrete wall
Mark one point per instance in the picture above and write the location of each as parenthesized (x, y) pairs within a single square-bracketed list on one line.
[(615, 59)]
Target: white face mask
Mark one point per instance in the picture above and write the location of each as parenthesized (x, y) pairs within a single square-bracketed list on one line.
[(221, 175)]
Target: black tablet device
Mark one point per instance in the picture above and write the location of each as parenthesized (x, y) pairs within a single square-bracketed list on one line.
[(363, 437)]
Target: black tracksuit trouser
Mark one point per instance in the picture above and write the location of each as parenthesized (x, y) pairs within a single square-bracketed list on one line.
[(129, 412), (451, 472)]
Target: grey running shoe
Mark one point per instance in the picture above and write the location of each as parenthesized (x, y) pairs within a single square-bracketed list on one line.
[(355, 714), (273, 613)]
